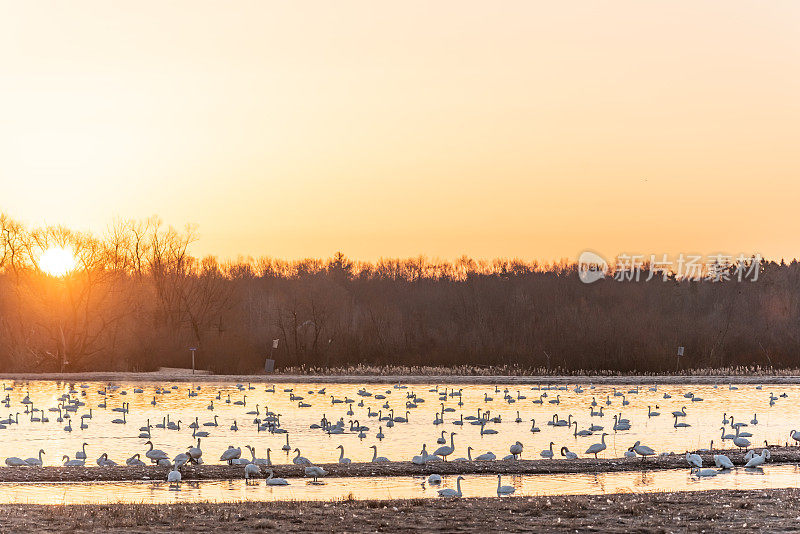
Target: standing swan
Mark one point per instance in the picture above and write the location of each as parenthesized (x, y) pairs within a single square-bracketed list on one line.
[(444, 451), (342, 459), (598, 447)]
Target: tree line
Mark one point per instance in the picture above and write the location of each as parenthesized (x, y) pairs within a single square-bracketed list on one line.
[(137, 300)]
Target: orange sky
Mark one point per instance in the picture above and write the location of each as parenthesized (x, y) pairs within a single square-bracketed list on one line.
[(291, 129)]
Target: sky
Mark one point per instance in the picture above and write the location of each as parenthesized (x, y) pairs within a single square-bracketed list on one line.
[(514, 129)]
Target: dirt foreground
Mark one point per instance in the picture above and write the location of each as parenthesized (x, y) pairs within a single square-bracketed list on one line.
[(708, 511)]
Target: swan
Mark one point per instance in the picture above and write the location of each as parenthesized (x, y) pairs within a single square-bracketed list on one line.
[(375, 457), (795, 435), (598, 447), (272, 481), (516, 449), (450, 492), (103, 461), (642, 450), (726, 436), (134, 461), (254, 460), (231, 454), (504, 490), (315, 472), (342, 459), (757, 460), (251, 470), (681, 413), (435, 479), (36, 462), (444, 451), (680, 425), (286, 446), (70, 463), (195, 452), (155, 454), (740, 441), (486, 457), (300, 460), (694, 460), (547, 453), (81, 454), (704, 472), (651, 413), (754, 420), (441, 440), (569, 455), (722, 461), (174, 476)]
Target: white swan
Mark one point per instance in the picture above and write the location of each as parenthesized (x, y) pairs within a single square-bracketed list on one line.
[(598, 447), (704, 472), (547, 453), (251, 470), (300, 460), (516, 449), (70, 463), (722, 461), (450, 492), (35, 462), (444, 451), (135, 461), (435, 479), (757, 460), (232, 453), (568, 454), (315, 472), (375, 457), (272, 481), (504, 490), (174, 476), (342, 459), (486, 457), (155, 454), (694, 460), (642, 450)]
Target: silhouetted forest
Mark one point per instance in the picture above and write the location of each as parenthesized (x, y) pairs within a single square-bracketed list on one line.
[(137, 300)]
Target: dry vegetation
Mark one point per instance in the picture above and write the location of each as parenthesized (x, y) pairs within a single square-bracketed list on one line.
[(711, 511), (138, 300)]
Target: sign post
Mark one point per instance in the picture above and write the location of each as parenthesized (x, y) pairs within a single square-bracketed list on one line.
[(269, 363), (193, 349)]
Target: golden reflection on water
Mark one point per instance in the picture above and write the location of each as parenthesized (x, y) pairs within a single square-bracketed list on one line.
[(383, 488), (402, 441)]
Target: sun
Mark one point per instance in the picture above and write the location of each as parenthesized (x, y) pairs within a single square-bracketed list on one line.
[(57, 261)]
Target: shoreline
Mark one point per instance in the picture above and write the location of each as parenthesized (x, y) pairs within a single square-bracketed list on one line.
[(728, 511), (182, 377), (779, 455)]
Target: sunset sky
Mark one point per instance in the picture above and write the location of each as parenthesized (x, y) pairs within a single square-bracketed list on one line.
[(293, 129)]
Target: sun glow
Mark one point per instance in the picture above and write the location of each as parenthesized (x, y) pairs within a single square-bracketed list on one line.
[(57, 261)]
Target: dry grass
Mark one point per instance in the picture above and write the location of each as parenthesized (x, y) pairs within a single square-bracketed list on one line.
[(711, 511)]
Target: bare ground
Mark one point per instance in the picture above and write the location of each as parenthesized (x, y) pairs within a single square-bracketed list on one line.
[(708, 511), (217, 472)]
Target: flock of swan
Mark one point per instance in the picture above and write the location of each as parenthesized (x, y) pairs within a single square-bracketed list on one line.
[(76, 408)]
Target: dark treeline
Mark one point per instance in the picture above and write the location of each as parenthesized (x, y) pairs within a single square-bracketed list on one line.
[(137, 300)]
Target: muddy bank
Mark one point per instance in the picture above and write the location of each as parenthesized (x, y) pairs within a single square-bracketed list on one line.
[(708, 511), (509, 467), (529, 380)]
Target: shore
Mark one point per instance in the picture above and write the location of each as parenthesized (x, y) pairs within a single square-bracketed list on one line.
[(707, 511), (93, 473), (185, 375)]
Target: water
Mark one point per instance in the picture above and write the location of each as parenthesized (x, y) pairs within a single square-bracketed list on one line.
[(402, 441), (383, 488)]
